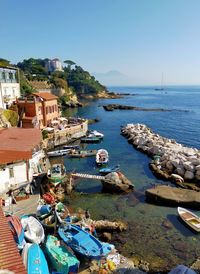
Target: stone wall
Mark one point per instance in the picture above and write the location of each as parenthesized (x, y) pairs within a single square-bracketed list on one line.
[(178, 162)]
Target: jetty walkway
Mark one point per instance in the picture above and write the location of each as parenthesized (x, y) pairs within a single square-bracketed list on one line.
[(88, 176)]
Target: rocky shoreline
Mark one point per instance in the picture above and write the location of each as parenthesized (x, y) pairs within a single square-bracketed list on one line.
[(111, 107), (171, 161)]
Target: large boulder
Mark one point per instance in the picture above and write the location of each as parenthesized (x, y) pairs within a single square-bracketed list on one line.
[(189, 175), (117, 182)]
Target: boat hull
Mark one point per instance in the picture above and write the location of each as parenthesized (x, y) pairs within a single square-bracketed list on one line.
[(189, 218), (36, 261)]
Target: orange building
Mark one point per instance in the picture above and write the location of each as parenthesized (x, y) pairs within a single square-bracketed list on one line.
[(38, 110)]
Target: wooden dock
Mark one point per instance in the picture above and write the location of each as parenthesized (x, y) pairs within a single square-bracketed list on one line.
[(88, 176)]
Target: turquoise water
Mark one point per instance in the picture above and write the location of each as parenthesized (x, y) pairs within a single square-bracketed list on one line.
[(155, 234)]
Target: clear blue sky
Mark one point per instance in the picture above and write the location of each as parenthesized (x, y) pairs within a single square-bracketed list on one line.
[(133, 40)]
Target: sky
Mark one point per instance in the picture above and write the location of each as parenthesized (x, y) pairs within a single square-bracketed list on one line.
[(121, 42)]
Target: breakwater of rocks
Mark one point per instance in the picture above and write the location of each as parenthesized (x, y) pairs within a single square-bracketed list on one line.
[(171, 161)]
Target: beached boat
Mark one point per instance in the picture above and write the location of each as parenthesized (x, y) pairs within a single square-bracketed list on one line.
[(57, 173), (191, 219), (95, 133), (33, 230), (92, 139), (58, 153), (82, 153), (82, 242), (182, 269), (34, 259), (107, 170), (59, 256), (48, 221), (102, 157), (17, 230)]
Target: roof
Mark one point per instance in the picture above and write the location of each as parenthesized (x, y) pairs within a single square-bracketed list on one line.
[(10, 156), (18, 143), (10, 258), (45, 96)]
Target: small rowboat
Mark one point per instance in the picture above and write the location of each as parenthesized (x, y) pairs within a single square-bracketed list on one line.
[(57, 173), (107, 170), (102, 157), (71, 147), (191, 219), (95, 133), (17, 230), (33, 230)]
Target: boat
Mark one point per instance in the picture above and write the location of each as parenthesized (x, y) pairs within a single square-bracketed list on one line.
[(46, 216), (56, 173), (191, 219), (59, 256), (33, 229), (95, 133), (107, 170), (58, 153), (82, 242), (162, 84), (71, 147), (34, 259), (182, 269), (102, 157), (16, 230), (82, 153), (92, 139)]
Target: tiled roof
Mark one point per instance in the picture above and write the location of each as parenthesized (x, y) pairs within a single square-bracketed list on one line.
[(19, 139), (10, 156), (45, 95), (10, 258)]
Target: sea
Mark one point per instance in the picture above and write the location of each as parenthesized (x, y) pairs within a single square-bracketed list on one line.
[(155, 234)]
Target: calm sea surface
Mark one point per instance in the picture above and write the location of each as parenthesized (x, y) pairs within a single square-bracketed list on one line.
[(155, 233)]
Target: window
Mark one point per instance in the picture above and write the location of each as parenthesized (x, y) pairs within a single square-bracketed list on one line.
[(11, 172), (46, 110), (52, 108)]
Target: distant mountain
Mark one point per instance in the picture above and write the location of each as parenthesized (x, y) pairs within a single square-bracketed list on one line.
[(112, 77)]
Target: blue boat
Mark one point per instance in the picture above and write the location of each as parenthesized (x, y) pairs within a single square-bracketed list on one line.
[(83, 243), (36, 261), (60, 258), (107, 170), (182, 269)]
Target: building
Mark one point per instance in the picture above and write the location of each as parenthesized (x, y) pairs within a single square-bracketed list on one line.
[(38, 110), (54, 65), (9, 86), (21, 156)]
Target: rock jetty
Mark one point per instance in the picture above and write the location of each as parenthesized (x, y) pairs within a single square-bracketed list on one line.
[(171, 161), (111, 107)]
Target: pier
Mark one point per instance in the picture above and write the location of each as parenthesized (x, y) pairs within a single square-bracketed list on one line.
[(88, 176)]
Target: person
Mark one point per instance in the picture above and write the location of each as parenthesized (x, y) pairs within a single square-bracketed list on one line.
[(87, 214)]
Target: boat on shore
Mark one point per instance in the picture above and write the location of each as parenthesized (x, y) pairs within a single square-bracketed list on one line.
[(102, 157), (82, 153), (107, 170), (191, 219), (82, 242), (60, 258), (33, 229), (56, 173), (92, 139), (34, 259), (58, 153)]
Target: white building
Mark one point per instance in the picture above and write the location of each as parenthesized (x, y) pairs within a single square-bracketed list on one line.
[(9, 86), (54, 65), (21, 156)]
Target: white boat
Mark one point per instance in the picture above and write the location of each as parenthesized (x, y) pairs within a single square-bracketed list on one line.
[(57, 173), (102, 157), (191, 219), (57, 153), (33, 230), (95, 133)]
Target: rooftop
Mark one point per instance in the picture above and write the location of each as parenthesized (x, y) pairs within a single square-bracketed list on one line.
[(45, 96)]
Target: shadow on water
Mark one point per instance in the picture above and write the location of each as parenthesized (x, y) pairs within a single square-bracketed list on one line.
[(178, 223)]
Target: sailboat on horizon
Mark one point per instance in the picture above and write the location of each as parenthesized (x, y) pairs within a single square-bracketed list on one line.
[(161, 84)]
